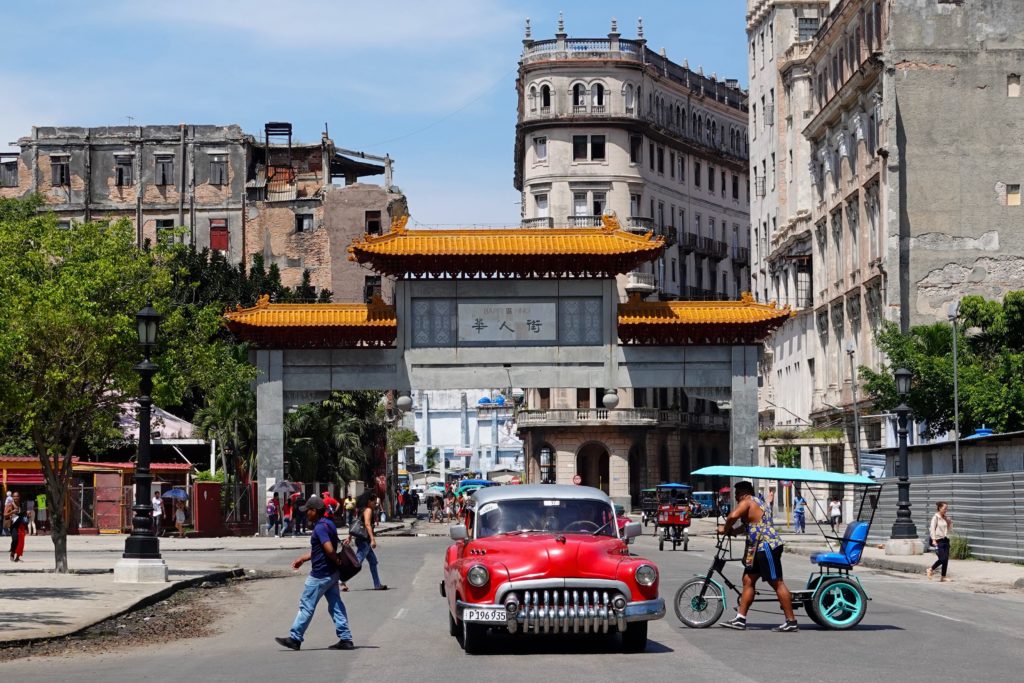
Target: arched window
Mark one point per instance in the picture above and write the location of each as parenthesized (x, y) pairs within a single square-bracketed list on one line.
[(628, 98), (533, 98), (597, 94), (650, 103), (679, 121), (714, 131), (579, 95), (700, 128), (545, 97)]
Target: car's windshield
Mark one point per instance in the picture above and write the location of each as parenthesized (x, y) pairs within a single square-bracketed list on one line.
[(568, 516)]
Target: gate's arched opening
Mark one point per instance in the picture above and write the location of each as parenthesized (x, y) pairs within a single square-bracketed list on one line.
[(592, 465)]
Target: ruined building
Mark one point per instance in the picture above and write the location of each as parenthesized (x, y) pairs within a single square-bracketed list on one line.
[(885, 142), (228, 191)]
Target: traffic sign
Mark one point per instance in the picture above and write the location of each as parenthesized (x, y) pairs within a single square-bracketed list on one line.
[(577, 479)]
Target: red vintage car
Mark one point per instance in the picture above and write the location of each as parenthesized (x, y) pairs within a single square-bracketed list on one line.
[(544, 558)]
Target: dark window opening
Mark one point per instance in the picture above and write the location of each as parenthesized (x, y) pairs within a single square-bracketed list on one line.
[(544, 399), (661, 159), (9, 174), (373, 223), (579, 147), (123, 176), (696, 174), (711, 179), (164, 169), (165, 231), (735, 186), (219, 169), (597, 147), (303, 222), (60, 171), (545, 96), (636, 145), (371, 287)]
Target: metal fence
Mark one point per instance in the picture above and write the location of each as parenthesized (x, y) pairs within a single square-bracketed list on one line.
[(987, 510)]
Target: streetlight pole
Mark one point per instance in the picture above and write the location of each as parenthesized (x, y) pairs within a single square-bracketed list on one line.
[(850, 349), (903, 540), (954, 315), (141, 561)]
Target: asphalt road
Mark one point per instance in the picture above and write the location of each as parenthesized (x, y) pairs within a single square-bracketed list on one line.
[(914, 630)]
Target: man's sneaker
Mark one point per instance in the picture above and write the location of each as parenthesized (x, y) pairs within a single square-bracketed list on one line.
[(788, 627), (342, 645), (289, 643), (737, 622)]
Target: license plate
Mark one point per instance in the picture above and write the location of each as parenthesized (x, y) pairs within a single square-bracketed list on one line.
[(489, 615)]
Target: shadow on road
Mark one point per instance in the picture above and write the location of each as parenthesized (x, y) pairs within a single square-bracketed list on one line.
[(499, 643)]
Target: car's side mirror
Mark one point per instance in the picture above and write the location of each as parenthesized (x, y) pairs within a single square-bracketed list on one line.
[(632, 530), (458, 532)]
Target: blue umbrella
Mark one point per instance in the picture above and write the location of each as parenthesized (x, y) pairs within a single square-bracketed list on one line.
[(176, 494)]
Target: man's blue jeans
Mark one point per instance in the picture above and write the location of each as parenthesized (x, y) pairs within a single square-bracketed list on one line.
[(311, 594), (798, 522), (365, 552)]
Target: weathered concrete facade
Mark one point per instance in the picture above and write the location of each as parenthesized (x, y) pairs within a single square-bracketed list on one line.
[(911, 195), (228, 191)]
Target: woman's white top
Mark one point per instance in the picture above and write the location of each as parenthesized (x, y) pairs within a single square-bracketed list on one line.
[(938, 528)]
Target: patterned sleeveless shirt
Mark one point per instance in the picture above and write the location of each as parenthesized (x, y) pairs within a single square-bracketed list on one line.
[(763, 535)]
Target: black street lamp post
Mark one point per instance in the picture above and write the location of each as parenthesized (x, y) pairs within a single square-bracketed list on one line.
[(903, 527), (143, 543)]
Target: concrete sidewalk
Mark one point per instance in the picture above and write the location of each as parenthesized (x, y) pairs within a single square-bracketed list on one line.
[(36, 603)]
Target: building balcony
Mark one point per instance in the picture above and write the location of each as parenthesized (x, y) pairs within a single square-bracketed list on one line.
[(640, 224), (540, 222), (688, 242), (716, 249), (636, 417), (741, 255), (577, 48), (584, 221), (641, 283)]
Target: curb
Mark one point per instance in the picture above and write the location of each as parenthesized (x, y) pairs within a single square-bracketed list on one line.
[(140, 604)]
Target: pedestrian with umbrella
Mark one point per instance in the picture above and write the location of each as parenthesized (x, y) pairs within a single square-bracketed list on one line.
[(179, 496)]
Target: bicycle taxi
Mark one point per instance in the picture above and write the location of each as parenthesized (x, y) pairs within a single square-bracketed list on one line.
[(649, 506), (673, 520), (832, 596)]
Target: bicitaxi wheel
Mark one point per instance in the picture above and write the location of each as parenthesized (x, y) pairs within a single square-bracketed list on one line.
[(699, 603)]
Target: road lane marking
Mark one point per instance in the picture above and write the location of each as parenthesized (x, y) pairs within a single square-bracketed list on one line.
[(942, 616), (401, 613)]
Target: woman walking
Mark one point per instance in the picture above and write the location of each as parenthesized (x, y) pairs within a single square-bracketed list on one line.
[(939, 530), (362, 531), (12, 512)]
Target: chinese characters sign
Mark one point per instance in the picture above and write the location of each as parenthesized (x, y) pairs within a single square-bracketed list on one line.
[(521, 321)]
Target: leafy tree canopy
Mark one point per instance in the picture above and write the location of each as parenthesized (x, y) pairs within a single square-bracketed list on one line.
[(990, 350)]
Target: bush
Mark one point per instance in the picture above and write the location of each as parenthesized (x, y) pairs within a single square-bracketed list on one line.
[(205, 475), (959, 548)]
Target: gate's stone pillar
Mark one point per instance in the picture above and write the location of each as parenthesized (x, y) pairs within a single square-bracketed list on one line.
[(618, 474), (269, 426), (743, 416)]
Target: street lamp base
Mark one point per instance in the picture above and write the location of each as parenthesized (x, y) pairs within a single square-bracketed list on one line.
[(135, 570), (904, 546)]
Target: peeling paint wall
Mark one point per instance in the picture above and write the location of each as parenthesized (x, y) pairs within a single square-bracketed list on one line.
[(959, 140)]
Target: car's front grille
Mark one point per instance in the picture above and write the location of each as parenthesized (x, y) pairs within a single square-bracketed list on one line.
[(569, 610)]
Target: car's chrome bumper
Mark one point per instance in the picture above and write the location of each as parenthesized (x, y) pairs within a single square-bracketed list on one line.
[(579, 616)]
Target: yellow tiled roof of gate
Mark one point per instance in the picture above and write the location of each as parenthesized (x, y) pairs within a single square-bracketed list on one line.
[(509, 241), (639, 312), (266, 314)]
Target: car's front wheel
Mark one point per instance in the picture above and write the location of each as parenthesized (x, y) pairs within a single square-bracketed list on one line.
[(634, 638), (473, 637)]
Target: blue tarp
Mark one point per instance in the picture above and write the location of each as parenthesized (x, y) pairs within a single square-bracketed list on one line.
[(674, 486), (784, 474)]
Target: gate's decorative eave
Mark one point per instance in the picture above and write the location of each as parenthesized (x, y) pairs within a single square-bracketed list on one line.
[(303, 326), (510, 252), (678, 323), (653, 323)]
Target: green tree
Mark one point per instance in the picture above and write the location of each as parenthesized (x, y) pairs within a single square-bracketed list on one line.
[(990, 346), (67, 334)]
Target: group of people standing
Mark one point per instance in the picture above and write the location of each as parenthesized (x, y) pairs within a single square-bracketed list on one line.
[(324, 580)]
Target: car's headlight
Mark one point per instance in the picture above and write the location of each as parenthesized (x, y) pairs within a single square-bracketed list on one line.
[(646, 575), (478, 575)]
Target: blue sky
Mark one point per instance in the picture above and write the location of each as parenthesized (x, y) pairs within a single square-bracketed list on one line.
[(431, 82)]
